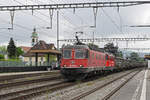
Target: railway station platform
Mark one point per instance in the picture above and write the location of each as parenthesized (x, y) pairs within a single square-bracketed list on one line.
[(20, 73), (136, 89)]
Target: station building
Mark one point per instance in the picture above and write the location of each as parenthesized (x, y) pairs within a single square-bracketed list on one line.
[(42, 54)]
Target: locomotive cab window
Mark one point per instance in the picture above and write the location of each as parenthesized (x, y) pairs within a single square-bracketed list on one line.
[(67, 54), (80, 53)]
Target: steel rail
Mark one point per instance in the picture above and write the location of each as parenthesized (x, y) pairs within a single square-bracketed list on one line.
[(27, 91), (39, 90), (118, 88), (100, 87), (11, 84), (11, 77), (32, 92), (48, 90), (73, 5)]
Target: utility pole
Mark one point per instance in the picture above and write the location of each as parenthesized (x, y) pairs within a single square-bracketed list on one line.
[(57, 29), (93, 37)]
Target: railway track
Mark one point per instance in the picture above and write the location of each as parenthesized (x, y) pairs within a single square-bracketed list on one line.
[(24, 94), (30, 93), (30, 90), (49, 88), (118, 88), (31, 81), (12, 77), (106, 84)]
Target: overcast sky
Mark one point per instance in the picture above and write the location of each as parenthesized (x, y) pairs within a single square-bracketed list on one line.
[(110, 23)]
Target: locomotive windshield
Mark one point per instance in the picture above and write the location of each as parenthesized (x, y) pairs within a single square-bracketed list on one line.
[(67, 54), (80, 54)]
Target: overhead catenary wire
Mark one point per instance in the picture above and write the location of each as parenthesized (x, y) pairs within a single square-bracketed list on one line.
[(23, 27), (60, 13), (117, 27), (39, 13), (27, 29), (84, 1)]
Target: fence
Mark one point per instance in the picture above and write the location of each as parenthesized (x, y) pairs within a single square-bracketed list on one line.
[(22, 69), (12, 64), (22, 64), (19, 66)]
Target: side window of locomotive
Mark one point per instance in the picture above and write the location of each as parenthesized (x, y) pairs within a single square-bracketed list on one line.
[(96, 56), (87, 54), (111, 58), (93, 55), (90, 55), (106, 57), (79, 54), (67, 54), (100, 59)]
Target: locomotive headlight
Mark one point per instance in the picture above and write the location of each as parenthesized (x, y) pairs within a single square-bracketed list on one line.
[(64, 66), (81, 65)]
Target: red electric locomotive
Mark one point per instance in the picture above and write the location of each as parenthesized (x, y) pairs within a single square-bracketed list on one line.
[(79, 60)]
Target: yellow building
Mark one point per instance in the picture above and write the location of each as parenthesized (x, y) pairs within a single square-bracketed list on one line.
[(29, 58)]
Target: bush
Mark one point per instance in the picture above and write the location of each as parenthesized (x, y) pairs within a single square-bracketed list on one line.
[(15, 60), (1, 56)]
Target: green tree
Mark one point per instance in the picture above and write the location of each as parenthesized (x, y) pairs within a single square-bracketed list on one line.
[(19, 51), (134, 56), (2, 56), (3, 50), (93, 46), (11, 49), (111, 48), (119, 54)]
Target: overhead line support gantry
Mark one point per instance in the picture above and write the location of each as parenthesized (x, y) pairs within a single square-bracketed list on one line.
[(73, 5), (134, 49), (106, 39)]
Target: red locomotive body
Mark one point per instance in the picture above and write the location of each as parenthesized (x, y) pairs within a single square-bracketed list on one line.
[(74, 58), (78, 61)]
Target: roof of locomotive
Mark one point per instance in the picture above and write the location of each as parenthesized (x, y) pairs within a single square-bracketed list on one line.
[(76, 47), (83, 47)]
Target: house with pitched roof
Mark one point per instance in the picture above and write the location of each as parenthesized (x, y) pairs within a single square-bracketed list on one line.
[(25, 49), (41, 54)]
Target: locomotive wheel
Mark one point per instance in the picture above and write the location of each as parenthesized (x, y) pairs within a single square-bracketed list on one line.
[(79, 77), (82, 76), (69, 78)]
